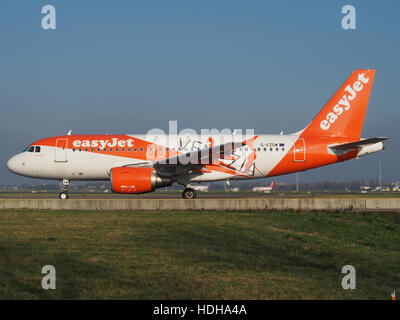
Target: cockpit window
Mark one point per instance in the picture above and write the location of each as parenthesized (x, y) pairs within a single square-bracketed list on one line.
[(31, 149), (37, 149)]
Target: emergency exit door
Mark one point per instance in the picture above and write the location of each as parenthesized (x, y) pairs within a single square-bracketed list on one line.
[(300, 150), (61, 150)]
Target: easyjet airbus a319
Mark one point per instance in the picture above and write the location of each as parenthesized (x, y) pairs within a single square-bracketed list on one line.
[(142, 163)]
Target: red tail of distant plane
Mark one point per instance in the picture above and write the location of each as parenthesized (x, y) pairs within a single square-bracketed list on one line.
[(272, 185)]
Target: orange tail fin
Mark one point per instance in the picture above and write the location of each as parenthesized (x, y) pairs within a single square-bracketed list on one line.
[(344, 113)]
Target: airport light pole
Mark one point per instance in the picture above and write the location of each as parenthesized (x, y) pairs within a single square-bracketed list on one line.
[(297, 182), (380, 175)]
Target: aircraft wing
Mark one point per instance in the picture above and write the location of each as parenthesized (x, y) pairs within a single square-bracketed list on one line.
[(195, 160), (357, 144), (187, 161), (202, 156)]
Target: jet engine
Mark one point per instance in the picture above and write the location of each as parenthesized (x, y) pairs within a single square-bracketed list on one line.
[(136, 180)]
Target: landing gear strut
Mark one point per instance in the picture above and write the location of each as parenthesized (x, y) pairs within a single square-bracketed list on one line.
[(64, 190), (189, 193)]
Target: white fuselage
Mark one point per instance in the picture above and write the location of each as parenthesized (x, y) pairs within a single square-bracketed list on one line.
[(79, 163)]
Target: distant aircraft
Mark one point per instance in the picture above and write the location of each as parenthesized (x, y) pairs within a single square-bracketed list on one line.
[(199, 187), (142, 163), (265, 189), (385, 189)]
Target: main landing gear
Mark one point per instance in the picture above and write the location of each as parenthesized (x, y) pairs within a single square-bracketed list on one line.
[(64, 195), (189, 193)]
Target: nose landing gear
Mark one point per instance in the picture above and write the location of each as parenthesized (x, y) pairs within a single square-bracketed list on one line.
[(64, 190)]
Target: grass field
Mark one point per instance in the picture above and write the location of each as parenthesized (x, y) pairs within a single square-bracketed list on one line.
[(198, 255)]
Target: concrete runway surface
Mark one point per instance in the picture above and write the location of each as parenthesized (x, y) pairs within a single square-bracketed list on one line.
[(155, 195)]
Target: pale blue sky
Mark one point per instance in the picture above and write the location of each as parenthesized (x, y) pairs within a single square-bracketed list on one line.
[(129, 66)]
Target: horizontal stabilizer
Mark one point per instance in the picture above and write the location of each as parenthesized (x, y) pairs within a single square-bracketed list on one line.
[(357, 144)]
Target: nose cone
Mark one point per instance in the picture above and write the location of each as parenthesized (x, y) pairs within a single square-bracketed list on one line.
[(12, 165), (22, 165), (17, 164)]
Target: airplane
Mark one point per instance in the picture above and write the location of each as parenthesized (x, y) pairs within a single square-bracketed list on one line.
[(265, 189), (142, 163)]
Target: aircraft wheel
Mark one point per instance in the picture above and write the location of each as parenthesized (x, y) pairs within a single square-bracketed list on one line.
[(64, 196), (189, 193)]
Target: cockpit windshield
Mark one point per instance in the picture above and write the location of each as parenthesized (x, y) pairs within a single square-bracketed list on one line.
[(32, 149)]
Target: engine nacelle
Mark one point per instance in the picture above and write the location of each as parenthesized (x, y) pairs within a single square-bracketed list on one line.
[(136, 180)]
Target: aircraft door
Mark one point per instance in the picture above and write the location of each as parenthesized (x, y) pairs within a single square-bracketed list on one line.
[(299, 150), (61, 150)]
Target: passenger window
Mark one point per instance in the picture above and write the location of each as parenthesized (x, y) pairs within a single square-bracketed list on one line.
[(37, 149)]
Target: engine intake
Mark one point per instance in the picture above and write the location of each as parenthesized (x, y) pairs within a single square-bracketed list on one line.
[(137, 180)]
